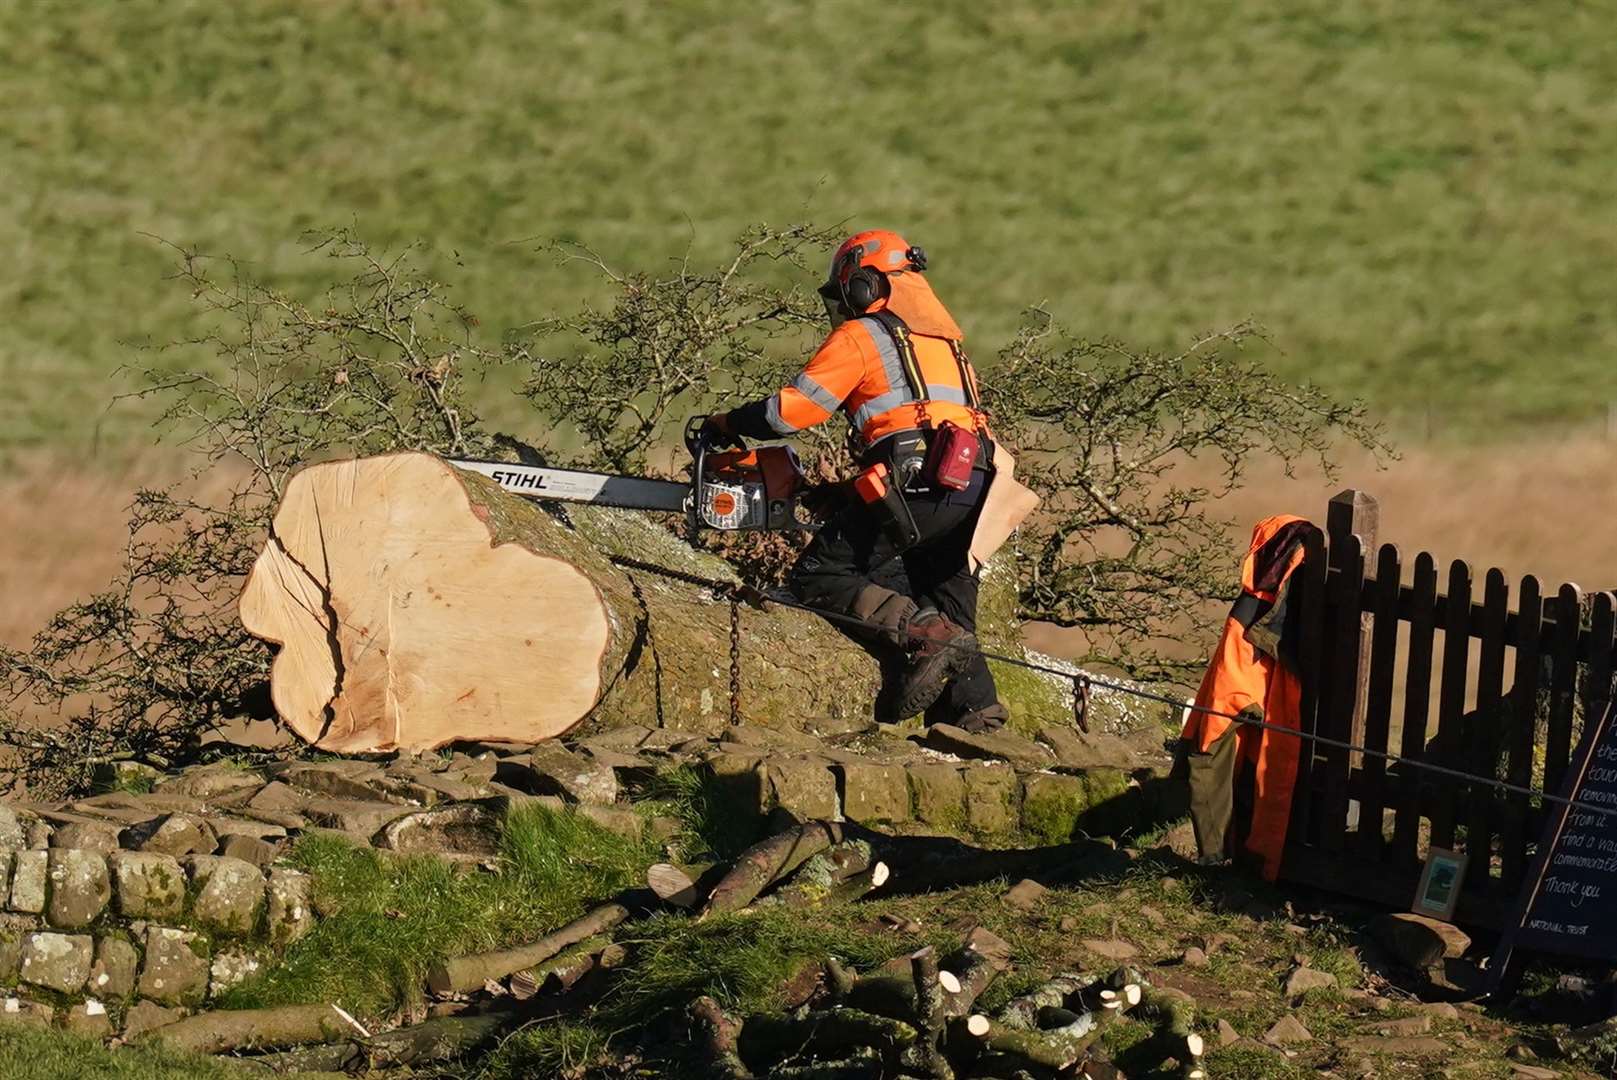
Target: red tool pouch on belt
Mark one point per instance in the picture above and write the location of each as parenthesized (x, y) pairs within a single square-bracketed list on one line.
[(950, 458)]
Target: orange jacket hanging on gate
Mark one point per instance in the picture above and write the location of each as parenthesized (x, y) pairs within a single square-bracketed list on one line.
[(1250, 672), (863, 369)]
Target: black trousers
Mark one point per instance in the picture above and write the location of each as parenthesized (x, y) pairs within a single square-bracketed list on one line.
[(852, 551)]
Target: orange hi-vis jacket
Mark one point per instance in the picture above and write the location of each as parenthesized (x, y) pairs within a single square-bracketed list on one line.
[(866, 370), (1248, 676)]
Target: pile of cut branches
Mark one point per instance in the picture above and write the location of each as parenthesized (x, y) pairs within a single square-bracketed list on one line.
[(916, 1016)]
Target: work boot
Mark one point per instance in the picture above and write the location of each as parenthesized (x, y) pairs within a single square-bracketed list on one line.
[(984, 720), (938, 650)]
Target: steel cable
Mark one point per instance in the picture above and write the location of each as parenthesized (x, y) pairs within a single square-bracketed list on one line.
[(731, 590)]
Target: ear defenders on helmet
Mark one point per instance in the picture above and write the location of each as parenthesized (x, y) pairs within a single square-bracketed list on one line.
[(859, 287), (863, 287)]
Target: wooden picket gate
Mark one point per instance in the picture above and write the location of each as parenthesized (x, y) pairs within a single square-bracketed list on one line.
[(1376, 634)]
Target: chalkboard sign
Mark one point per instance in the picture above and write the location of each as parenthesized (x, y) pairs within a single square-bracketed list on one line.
[(1571, 893)]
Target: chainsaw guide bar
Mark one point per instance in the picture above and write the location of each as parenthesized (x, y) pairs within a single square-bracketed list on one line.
[(732, 492), (574, 485)]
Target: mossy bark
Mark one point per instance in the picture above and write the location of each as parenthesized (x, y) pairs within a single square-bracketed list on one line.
[(668, 661)]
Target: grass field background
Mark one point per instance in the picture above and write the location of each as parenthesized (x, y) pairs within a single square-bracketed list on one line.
[(1414, 197)]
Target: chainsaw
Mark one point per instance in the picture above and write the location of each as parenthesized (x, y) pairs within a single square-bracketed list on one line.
[(734, 490)]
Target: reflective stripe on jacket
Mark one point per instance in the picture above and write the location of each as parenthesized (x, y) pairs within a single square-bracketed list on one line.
[(860, 370), (1241, 678)]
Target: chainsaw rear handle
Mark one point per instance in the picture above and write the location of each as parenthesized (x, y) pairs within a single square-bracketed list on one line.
[(694, 438)]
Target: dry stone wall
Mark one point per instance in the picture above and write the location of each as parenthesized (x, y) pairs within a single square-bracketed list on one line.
[(124, 910)]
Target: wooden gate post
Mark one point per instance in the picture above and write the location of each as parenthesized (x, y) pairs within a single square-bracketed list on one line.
[(1355, 513)]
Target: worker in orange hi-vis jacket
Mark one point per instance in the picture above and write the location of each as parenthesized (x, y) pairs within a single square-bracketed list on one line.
[(897, 555), (1253, 675)]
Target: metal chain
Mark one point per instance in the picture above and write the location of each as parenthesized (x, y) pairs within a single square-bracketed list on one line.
[(735, 658), (1080, 702)]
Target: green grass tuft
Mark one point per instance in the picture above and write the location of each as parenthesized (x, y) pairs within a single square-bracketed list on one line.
[(392, 918), (716, 823), (28, 1053), (553, 1047), (1250, 1063)]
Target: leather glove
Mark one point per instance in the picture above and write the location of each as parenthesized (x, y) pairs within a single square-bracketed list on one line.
[(713, 433), (825, 500)]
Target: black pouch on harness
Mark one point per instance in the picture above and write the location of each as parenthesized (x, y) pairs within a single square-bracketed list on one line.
[(908, 454), (885, 499)]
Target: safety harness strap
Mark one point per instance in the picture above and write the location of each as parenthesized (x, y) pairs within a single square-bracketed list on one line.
[(900, 335), (968, 376)]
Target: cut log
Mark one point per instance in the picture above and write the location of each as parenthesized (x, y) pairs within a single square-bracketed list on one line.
[(826, 1033), (929, 1004), (226, 1029), (415, 604), (1175, 1015), (432, 1040), (681, 886), (564, 969), (719, 1033), (889, 990), (769, 861), (1023, 1012), (975, 971), (812, 895), (464, 973), (1047, 1049), (859, 885), (839, 874)]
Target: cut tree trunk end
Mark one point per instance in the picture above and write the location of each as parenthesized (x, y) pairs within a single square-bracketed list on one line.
[(838, 875), (564, 969), (975, 973), (1048, 1049), (680, 886), (1175, 1013)]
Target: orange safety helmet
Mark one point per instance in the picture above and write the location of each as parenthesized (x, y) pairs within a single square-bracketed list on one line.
[(858, 275)]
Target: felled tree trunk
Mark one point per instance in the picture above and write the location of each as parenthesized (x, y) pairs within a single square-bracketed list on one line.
[(415, 604)]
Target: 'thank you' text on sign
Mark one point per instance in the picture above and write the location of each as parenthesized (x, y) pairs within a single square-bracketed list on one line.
[(1571, 912)]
